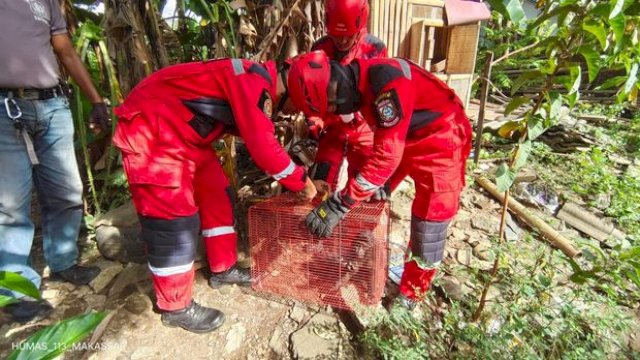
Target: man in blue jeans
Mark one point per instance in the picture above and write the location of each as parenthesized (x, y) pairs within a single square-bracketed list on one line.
[(36, 146)]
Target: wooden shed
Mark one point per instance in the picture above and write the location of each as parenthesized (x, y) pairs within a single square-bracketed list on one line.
[(440, 35)]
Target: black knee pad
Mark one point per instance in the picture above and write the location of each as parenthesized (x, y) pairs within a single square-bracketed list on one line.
[(428, 239), (170, 242)]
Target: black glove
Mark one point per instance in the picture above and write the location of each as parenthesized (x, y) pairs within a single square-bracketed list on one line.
[(99, 117), (382, 194), (326, 216)]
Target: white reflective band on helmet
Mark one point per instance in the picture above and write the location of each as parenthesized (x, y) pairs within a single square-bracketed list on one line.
[(365, 184), (286, 172), (347, 118), (238, 67), (174, 270), (217, 231)]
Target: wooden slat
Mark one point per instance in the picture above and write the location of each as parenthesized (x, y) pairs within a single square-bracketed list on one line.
[(463, 46), (438, 3), (398, 26), (392, 28), (417, 42), (385, 22), (404, 30), (371, 26)]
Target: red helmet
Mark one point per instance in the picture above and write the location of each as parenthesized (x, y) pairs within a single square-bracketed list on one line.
[(346, 17), (308, 82)]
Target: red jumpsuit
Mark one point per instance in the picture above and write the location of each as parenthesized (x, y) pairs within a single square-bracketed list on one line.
[(354, 139), (420, 130), (165, 132)]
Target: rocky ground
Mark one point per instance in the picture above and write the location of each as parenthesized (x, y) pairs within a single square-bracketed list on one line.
[(257, 326)]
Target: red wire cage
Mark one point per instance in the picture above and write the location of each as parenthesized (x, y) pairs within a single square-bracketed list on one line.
[(346, 270)]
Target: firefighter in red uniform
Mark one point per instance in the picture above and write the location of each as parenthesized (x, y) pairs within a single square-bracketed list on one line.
[(165, 131), (420, 130), (348, 134)]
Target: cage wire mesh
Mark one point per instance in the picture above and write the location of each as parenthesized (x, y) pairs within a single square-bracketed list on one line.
[(346, 270)]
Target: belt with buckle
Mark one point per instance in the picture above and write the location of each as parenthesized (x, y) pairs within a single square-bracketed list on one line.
[(34, 94)]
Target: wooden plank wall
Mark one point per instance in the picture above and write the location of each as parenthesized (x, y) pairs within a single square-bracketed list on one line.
[(415, 29)]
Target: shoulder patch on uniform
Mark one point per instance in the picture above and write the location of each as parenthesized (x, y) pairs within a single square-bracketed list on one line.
[(387, 106), (266, 104), (260, 70), (382, 74)]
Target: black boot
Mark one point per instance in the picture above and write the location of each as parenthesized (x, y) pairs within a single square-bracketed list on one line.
[(25, 311), (77, 275), (234, 275), (195, 318)]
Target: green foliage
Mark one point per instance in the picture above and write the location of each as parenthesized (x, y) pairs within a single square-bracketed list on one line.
[(536, 316), (18, 283), (54, 340)]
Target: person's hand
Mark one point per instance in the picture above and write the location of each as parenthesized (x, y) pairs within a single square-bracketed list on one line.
[(99, 118), (315, 127), (308, 192), (382, 194), (323, 187), (322, 220)]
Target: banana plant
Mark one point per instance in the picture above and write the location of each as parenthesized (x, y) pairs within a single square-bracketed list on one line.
[(51, 341)]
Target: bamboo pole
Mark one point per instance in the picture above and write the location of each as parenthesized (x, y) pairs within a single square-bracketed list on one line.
[(486, 75), (533, 221)]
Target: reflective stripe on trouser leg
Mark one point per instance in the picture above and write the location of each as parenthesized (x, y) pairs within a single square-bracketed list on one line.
[(221, 243), (428, 240), (215, 199), (171, 250)]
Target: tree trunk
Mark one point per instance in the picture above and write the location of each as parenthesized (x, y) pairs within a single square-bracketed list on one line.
[(125, 29)]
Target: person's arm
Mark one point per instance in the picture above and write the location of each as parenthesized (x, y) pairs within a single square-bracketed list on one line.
[(63, 47), (252, 105), (393, 109)]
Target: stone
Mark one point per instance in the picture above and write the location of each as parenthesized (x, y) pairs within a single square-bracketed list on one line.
[(458, 234), (109, 270), (483, 250), (95, 302), (488, 204), (298, 313), (317, 339), (453, 288), (526, 175), (278, 343), (132, 274), (486, 222), (465, 256), (120, 243), (634, 342), (274, 305), (457, 244), (124, 215), (482, 265), (512, 231), (602, 201), (137, 303), (235, 338), (52, 295), (468, 199)]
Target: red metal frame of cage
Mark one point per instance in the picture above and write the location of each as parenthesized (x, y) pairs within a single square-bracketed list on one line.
[(346, 270)]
